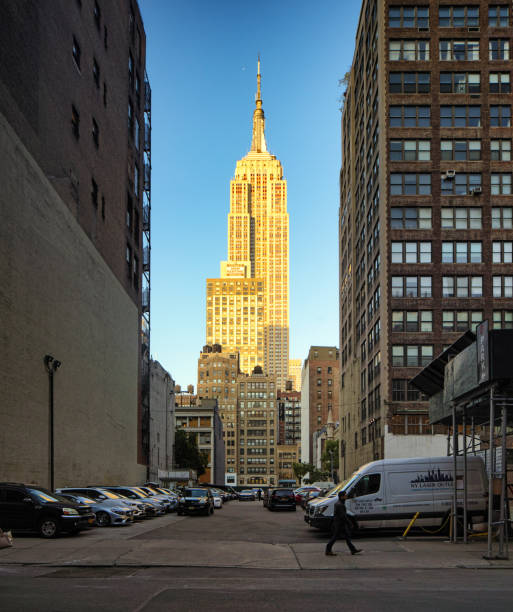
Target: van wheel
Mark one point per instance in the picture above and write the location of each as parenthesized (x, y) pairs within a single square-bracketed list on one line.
[(49, 528)]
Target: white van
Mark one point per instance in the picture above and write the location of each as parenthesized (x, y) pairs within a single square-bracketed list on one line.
[(389, 492)]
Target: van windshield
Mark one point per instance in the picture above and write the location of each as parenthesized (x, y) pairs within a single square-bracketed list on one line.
[(342, 486)]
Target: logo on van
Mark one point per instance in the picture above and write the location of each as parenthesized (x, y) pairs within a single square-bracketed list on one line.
[(433, 479)]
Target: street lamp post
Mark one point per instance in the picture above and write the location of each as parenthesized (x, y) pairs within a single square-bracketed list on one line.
[(331, 464), (51, 365)]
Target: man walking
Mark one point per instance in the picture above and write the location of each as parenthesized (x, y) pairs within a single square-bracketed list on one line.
[(340, 526)]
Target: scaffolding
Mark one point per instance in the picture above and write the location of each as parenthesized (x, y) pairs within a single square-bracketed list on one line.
[(470, 386)]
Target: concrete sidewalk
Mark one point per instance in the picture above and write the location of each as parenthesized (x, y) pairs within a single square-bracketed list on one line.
[(124, 547)]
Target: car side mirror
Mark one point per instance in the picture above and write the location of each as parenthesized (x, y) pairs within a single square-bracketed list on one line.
[(28, 500), (102, 497)]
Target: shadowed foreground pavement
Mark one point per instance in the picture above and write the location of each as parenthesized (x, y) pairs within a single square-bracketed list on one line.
[(245, 557)]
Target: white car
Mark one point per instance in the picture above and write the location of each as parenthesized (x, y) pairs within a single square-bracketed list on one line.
[(218, 498)]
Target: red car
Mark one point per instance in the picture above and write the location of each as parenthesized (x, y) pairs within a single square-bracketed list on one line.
[(301, 492)]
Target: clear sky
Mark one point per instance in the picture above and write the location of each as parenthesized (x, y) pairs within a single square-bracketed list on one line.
[(201, 62)]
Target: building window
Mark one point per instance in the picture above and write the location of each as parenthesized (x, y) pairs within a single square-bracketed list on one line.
[(461, 184), (412, 321), (76, 52), (458, 16), (498, 49), (500, 150), (94, 192), (502, 286), (409, 50), (462, 286), (411, 355), (410, 150), (460, 82), (411, 286), (502, 251), (460, 150), (501, 184), (408, 17), (459, 50), (410, 116), (410, 218), (410, 184), (75, 122), (500, 82), (411, 252), (498, 16), (461, 252), (502, 218), (461, 320), (502, 319), (96, 133), (460, 116), (500, 116), (403, 391), (409, 82), (461, 218)]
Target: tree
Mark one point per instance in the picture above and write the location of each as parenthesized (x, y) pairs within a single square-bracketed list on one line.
[(187, 453), (301, 470), (331, 445), (314, 475)]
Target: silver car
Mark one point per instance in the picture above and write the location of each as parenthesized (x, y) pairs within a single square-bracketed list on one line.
[(108, 510), (156, 507)]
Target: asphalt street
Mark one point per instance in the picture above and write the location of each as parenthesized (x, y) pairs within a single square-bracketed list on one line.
[(340, 585)]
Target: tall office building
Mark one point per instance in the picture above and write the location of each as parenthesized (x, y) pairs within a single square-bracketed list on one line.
[(295, 366), (258, 263), (425, 208), (75, 140)]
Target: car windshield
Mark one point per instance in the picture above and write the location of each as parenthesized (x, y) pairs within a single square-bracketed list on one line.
[(140, 491), (283, 493), (109, 494), (247, 491), (342, 486), (194, 492), (46, 496)]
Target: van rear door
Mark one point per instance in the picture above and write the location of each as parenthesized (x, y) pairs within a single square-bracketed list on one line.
[(367, 496)]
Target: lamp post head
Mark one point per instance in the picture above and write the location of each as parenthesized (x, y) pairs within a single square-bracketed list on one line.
[(51, 364)]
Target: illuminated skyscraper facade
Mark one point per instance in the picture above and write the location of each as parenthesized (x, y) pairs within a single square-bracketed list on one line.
[(258, 253)]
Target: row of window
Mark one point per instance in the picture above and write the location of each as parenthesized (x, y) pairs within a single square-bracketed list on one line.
[(448, 50), (452, 286), (463, 183), (450, 150), (450, 116), (451, 218), (452, 320), (452, 252), (448, 16), (450, 82)]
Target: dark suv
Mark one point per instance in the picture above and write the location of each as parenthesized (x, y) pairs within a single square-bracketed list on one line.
[(280, 498), (34, 508), (194, 500)]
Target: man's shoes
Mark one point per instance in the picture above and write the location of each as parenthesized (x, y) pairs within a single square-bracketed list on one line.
[(331, 554), (356, 551)]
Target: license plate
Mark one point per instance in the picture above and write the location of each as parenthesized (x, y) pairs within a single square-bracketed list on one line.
[(191, 507)]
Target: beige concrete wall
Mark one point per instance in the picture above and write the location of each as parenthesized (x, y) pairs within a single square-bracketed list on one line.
[(58, 296)]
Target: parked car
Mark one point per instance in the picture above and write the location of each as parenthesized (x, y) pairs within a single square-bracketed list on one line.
[(247, 495), (36, 509), (154, 507), (195, 500), (169, 501), (308, 497), (280, 498), (301, 492), (114, 511), (218, 497)]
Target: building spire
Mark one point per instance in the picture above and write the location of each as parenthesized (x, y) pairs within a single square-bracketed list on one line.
[(258, 141)]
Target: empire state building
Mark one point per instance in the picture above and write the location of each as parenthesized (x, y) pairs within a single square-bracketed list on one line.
[(248, 306)]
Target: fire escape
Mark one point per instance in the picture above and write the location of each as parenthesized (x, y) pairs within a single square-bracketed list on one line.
[(146, 285)]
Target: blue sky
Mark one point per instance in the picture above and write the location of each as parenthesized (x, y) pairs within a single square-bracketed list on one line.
[(201, 61)]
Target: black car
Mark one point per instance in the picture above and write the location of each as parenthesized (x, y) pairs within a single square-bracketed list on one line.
[(280, 498), (194, 500), (34, 508)]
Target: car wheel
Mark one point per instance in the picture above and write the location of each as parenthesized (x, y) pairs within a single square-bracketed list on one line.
[(49, 528), (102, 519)]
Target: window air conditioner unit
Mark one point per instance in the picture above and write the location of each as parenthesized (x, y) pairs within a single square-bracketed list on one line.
[(449, 174), (476, 190)]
